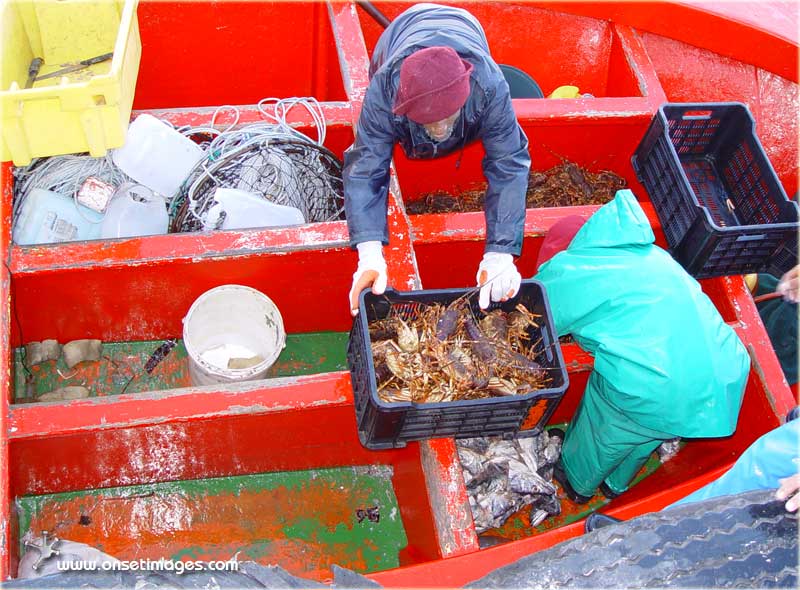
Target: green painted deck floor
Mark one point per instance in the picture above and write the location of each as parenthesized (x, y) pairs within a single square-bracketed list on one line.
[(121, 368), (304, 521)]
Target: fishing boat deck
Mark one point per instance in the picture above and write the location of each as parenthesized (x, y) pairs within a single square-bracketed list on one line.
[(134, 292)]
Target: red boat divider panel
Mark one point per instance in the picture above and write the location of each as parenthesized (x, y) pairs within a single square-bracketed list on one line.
[(197, 56)]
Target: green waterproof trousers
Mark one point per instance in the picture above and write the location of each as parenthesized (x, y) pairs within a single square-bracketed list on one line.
[(603, 444), (780, 320)]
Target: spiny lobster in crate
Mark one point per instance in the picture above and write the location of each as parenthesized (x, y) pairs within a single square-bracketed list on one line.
[(431, 363)]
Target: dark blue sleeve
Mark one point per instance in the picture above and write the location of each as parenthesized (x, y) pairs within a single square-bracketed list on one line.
[(506, 166), (366, 169)]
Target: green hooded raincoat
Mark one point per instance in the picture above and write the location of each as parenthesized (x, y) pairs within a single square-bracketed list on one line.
[(665, 362)]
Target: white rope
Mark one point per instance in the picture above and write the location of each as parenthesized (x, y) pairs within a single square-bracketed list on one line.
[(296, 177), (64, 175)]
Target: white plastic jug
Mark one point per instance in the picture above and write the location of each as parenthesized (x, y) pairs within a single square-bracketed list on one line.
[(46, 217), (244, 209), (156, 155), (135, 210)]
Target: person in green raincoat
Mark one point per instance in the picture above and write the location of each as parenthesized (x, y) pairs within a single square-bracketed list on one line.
[(665, 363), (779, 317)]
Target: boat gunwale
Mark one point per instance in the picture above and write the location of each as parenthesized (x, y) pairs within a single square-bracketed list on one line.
[(354, 60)]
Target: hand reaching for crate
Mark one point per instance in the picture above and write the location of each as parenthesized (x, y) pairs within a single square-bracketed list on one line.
[(371, 271), (789, 285)]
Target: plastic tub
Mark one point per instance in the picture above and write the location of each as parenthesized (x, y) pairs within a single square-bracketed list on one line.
[(83, 111), (234, 318)]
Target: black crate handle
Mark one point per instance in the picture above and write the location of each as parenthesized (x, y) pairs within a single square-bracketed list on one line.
[(752, 238), (697, 115)]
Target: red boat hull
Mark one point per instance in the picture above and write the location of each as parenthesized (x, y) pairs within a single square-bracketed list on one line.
[(196, 56)]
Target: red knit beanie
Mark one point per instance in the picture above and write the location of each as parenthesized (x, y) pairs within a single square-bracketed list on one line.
[(559, 237), (434, 84)]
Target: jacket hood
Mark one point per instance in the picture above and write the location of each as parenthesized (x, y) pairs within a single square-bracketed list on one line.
[(621, 222), (429, 25)]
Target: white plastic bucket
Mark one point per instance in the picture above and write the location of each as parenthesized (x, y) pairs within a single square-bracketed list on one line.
[(232, 316)]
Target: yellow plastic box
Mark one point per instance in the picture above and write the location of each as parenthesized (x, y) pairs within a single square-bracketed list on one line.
[(81, 111)]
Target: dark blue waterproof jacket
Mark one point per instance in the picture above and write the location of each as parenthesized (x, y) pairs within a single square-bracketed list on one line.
[(487, 116)]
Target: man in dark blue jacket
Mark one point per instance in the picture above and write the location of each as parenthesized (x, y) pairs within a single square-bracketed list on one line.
[(434, 88)]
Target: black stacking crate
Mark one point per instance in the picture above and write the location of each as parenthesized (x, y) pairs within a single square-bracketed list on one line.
[(383, 425), (721, 206)]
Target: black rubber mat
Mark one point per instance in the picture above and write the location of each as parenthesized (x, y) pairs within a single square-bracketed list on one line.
[(743, 541)]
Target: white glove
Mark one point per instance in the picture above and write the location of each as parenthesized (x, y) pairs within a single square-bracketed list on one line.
[(499, 278), (371, 271)]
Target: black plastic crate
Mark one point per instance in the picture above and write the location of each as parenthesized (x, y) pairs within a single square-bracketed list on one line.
[(721, 206), (383, 425)]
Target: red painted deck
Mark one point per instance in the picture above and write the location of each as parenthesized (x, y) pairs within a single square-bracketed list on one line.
[(199, 55)]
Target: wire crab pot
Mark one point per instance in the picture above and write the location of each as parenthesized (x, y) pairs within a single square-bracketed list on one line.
[(269, 159), (284, 170)]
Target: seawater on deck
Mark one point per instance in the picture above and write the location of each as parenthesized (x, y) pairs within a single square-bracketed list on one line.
[(305, 521), (122, 366)]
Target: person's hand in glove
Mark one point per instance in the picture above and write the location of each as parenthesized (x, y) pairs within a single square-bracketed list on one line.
[(371, 271), (498, 278), (789, 285)]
